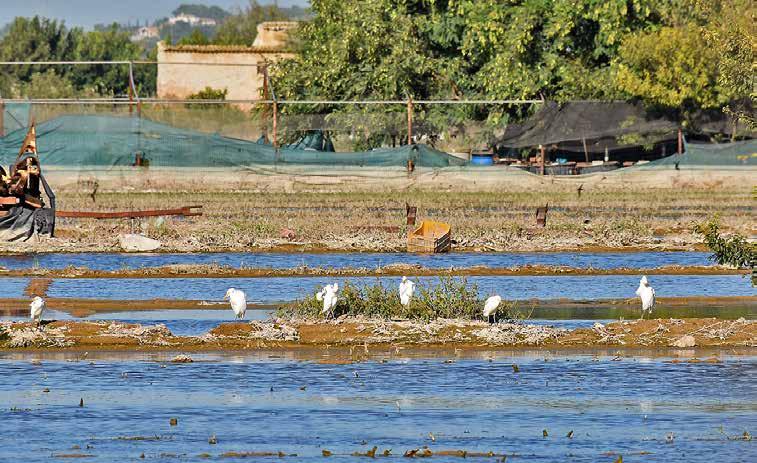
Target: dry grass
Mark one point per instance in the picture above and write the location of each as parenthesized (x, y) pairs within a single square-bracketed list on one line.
[(612, 215)]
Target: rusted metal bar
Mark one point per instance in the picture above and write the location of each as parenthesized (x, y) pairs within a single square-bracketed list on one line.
[(410, 121), (9, 200), (186, 211), (541, 216), (410, 213)]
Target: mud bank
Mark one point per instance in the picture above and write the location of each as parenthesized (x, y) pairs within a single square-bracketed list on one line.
[(360, 334), (86, 307), (220, 271)]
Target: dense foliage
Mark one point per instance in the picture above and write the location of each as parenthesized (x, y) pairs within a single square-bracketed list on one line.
[(734, 250), (41, 39), (677, 55), (450, 298)]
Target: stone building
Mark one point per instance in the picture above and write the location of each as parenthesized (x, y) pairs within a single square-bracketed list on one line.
[(187, 69)]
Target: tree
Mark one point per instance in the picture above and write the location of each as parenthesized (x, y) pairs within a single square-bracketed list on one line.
[(195, 38), (671, 67), (242, 28), (109, 45), (455, 49), (41, 39)]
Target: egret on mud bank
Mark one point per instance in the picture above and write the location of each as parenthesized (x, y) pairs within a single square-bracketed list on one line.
[(329, 298), (490, 308), (407, 288), (646, 293), (37, 307), (238, 302)]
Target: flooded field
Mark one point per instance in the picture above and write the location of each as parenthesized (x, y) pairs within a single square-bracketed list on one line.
[(231, 407), (115, 261), (269, 290)]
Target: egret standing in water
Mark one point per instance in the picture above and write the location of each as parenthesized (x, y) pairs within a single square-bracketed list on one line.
[(37, 307), (490, 308), (407, 288), (238, 302), (646, 293)]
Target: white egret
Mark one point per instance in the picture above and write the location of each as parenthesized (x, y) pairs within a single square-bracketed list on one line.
[(407, 288), (490, 308), (37, 308), (238, 302), (329, 297), (646, 293)]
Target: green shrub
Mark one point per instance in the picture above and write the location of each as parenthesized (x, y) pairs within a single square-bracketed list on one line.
[(451, 297), (734, 251)]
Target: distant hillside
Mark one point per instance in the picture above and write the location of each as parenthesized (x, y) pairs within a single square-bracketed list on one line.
[(202, 11)]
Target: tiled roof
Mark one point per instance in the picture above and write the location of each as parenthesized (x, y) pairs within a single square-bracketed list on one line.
[(223, 49)]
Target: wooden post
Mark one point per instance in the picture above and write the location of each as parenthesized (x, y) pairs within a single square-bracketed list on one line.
[(410, 121), (680, 141), (131, 100), (263, 69), (131, 89), (543, 153), (275, 124), (586, 151)]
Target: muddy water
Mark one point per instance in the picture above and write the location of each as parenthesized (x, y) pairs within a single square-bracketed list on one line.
[(254, 404), (266, 290), (113, 261)]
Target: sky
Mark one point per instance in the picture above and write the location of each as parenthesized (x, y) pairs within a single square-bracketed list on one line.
[(87, 13)]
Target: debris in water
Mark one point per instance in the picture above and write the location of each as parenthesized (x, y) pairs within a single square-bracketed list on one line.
[(173, 421), (515, 368), (213, 440), (544, 433), (570, 434), (47, 389), (326, 453), (81, 402), (670, 437), (181, 358), (431, 436), (684, 341)]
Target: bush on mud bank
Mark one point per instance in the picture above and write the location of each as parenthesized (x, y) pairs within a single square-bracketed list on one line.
[(450, 298)]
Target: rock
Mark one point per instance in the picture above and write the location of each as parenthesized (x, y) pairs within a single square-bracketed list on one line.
[(287, 233), (132, 242), (685, 341), (181, 358)]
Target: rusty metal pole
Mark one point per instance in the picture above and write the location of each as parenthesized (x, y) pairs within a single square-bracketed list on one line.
[(542, 150), (410, 121), (680, 141), (275, 124)]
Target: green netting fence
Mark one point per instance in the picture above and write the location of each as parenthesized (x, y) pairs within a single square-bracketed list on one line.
[(735, 155), (103, 141), (200, 137)]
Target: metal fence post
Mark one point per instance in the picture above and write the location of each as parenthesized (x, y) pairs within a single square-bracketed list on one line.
[(410, 121)]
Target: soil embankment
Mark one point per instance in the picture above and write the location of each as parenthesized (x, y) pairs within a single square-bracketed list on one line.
[(361, 334)]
